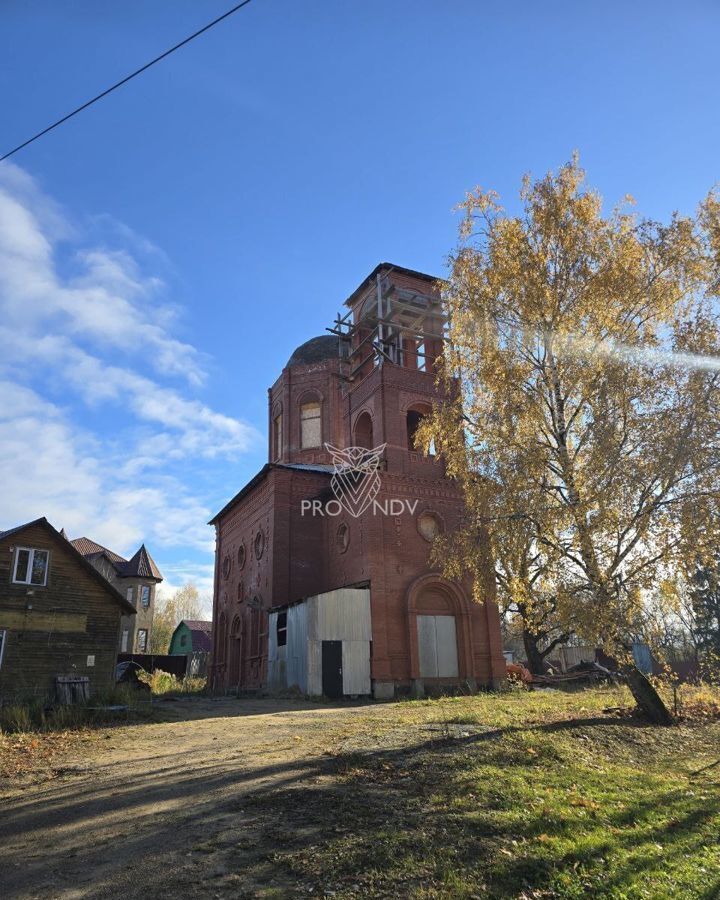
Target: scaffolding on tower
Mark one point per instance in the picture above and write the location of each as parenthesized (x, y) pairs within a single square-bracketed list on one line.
[(395, 317)]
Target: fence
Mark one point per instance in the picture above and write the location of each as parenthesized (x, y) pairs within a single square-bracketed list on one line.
[(573, 656), (197, 664), (174, 665)]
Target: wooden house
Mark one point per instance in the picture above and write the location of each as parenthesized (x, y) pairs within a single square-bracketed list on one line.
[(59, 617), (191, 636)]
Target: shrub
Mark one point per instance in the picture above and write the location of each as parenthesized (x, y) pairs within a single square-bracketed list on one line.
[(16, 718), (164, 683)]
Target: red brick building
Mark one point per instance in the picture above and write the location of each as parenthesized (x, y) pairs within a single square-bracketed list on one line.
[(285, 538)]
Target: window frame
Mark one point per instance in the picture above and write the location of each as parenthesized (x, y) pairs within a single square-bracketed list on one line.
[(281, 629), (314, 402), (277, 436), (137, 640), (143, 588), (31, 558), (3, 641)]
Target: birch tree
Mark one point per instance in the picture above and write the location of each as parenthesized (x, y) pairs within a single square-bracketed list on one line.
[(583, 363)]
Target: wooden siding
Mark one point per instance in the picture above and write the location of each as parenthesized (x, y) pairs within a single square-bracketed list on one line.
[(176, 647), (32, 620), (53, 630)]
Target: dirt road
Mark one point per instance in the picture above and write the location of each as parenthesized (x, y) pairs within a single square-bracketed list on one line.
[(177, 808)]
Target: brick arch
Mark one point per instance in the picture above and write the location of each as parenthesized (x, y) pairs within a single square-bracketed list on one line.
[(363, 430), (413, 413), (433, 594), (310, 395), (422, 404)]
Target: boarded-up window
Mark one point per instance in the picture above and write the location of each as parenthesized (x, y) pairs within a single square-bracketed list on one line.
[(142, 640), (254, 632), (437, 645), (310, 425), (277, 436), (124, 640), (130, 595)]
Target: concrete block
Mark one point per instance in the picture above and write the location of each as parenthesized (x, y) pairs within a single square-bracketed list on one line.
[(383, 690)]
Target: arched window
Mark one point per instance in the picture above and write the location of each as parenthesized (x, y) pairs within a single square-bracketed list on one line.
[(235, 653), (415, 416), (363, 435), (255, 646), (221, 638), (310, 425), (277, 436)]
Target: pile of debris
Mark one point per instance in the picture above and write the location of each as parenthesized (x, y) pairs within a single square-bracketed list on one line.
[(583, 673)]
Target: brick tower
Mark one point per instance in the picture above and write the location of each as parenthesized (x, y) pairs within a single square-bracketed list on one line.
[(310, 594)]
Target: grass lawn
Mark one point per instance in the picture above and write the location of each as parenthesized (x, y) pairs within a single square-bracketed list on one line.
[(527, 795), (524, 795)]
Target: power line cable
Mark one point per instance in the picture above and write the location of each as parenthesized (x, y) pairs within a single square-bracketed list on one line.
[(126, 79)]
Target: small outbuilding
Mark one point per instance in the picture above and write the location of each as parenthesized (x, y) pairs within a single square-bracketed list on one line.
[(321, 645), (191, 636), (59, 617)]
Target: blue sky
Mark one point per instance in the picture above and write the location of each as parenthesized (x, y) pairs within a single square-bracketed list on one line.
[(162, 254)]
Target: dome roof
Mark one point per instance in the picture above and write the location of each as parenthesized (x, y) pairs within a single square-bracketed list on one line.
[(317, 349)]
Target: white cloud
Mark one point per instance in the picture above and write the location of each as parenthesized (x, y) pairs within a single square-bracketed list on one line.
[(87, 337), (201, 575), (192, 428), (104, 298), (54, 469)]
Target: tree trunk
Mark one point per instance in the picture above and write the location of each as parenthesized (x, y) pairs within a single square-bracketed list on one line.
[(647, 698), (535, 659)]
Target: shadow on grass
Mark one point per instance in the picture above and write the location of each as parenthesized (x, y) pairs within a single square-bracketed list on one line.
[(387, 822)]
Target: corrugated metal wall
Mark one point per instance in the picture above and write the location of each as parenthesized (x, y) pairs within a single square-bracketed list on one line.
[(341, 615), (356, 667), (297, 661)]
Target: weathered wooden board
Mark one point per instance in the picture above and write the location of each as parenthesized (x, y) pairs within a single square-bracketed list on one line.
[(72, 689), (33, 620)]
